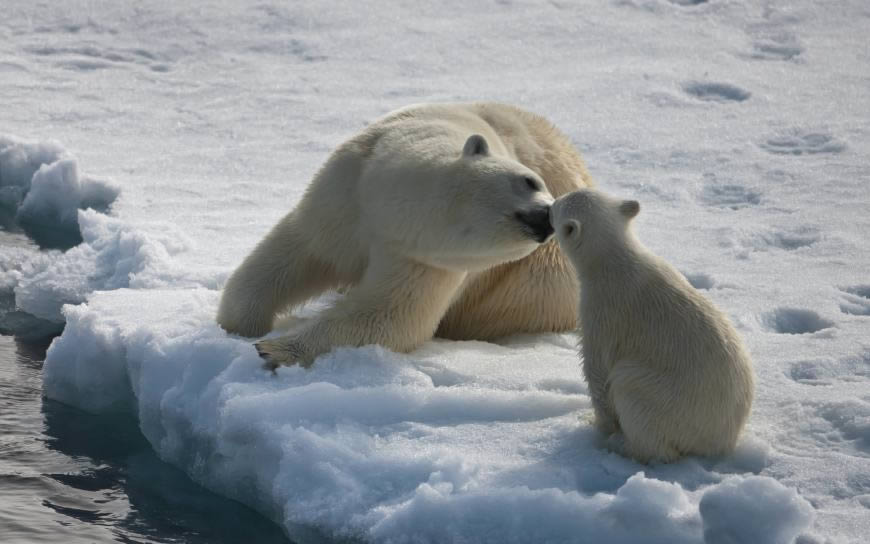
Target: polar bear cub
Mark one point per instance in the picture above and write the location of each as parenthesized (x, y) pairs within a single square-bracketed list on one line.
[(662, 363)]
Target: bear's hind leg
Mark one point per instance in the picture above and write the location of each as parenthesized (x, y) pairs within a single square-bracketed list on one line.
[(536, 294), (641, 398), (644, 445)]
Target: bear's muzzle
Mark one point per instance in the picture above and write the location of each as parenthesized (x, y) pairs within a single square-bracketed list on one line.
[(536, 222)]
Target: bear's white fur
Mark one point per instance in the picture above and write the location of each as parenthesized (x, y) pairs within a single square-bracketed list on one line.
[(432, 220), (662, 363)]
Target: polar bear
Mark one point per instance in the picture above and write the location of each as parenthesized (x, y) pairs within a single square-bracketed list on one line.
[(662, 363), (434, 219)]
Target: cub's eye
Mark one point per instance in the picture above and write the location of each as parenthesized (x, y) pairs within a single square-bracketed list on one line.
[(532, 184), (568, 229)]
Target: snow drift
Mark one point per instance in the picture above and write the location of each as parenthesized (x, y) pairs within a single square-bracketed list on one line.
[(458, 442), (40, 187)]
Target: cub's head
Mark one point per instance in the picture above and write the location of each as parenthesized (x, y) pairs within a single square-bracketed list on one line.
[(591, 225), (500, 210)]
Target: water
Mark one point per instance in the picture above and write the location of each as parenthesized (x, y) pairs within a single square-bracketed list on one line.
[(72, 477)]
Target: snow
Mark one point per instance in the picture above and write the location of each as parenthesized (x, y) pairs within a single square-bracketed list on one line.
[(458, 442), (741, 127), (40, 185), (111, 256), (731, 512)]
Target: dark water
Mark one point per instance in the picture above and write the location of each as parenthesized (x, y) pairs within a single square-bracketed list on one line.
[(71, 477), (59, 235)]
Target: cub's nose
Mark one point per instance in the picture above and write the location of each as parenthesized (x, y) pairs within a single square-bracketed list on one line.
[(536, 222)]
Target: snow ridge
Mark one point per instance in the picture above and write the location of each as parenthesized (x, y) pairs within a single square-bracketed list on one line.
[(40, 187)]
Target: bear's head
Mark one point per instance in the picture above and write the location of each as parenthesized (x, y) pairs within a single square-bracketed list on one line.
[(498, 209), (592, 227)]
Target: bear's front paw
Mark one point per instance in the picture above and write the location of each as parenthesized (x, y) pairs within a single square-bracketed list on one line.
[(281, 351)]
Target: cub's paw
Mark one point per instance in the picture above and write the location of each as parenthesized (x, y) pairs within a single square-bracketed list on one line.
[(607, 425), (283, 350)]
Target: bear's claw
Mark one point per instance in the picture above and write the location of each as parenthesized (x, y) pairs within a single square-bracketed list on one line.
[(280, 351), (268, 362)]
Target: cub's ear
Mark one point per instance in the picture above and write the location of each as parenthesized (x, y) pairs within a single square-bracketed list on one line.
[(570, 228), (475, 145), (629, 208)]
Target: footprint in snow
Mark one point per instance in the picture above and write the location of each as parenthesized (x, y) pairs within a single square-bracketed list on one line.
[(773, 43), (785, 239), (795, 321), (711, 91), (800, 142), (811, 372), (850, 421), (92, 57), (857, 300), (776, 50), (700, 280), (733, 196), (828, 371)]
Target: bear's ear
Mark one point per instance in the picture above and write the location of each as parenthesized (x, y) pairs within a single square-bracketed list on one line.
[(475, 145), (629, 208)]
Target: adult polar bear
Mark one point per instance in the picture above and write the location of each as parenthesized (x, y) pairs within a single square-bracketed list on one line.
[(433, 217)]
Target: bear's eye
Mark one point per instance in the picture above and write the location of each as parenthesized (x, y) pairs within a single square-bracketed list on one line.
[(568, 229), (532, 184)]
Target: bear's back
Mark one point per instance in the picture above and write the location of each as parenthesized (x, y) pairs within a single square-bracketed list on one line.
[(522, 135)]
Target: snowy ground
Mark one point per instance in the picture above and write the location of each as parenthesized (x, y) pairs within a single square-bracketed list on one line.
[(742, 127)]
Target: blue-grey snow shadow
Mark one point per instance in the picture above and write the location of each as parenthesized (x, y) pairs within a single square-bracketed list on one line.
[(41, 192), (584, 460)]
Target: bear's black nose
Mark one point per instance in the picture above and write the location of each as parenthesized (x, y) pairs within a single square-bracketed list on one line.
[(536, 222)]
